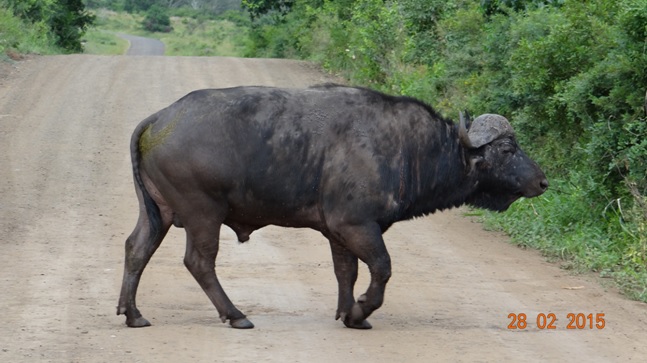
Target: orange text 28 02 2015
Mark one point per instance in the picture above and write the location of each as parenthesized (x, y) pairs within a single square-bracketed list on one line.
[(520, 321)]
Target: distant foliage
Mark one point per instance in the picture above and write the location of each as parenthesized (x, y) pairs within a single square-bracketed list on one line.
[(210, 7), (157, 20), (139, 5), (257, 8), (491, 7)]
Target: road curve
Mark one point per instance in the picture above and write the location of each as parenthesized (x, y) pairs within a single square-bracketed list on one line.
[(67, 204), (143, 46)]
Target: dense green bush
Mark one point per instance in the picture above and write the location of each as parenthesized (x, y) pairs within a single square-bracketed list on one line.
[(65, 20), (20, 36), (69, 21), (117, 5), (258, 8), (157, 20), (569, 74)]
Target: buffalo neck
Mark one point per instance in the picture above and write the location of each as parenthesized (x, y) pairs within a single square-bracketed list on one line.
[(438, 175)]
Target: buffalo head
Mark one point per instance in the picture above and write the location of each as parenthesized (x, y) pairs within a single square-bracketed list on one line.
[(501, 171)]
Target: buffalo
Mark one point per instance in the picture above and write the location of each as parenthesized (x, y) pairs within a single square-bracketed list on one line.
[(348, 162)]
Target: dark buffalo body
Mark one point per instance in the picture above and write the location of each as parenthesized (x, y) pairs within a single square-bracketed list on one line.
[(348, 162)]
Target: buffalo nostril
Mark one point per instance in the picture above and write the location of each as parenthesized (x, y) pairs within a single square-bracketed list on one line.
[(543, 184)]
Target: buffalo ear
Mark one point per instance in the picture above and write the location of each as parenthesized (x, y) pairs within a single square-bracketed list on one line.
[(475, 160)]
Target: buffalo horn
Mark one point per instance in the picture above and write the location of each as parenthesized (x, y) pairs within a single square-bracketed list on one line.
[(484, 129), (462, 131)]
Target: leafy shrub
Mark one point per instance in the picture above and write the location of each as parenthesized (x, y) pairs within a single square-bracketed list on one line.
[(157, 20), (258, 8), (66, 20), (19, 36)]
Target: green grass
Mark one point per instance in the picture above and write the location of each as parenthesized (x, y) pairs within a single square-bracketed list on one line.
[(119, 22), (103, 42), (197, 37)]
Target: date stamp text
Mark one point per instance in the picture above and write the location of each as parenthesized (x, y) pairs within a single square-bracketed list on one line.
[(578, 321)]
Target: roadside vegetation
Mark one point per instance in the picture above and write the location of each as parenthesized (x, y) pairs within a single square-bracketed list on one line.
[(42, 26), (570, 75)]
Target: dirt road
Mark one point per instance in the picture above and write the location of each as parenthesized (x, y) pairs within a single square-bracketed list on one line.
[(67, 204)]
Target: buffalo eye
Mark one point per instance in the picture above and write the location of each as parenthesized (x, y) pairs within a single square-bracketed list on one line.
[(507, 149)]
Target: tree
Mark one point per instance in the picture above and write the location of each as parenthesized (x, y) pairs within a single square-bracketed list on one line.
[(258, 8), (31, 10), (67, 19), (68, 23), (157, 20)]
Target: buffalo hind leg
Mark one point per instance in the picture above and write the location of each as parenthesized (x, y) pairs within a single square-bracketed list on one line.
[(200, 260), (365, 242), (345, 263), (140, 246)]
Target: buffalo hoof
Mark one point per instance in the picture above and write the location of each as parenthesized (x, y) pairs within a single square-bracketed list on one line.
[(356, 318), (139, 322), (358, 325), (241, 324)]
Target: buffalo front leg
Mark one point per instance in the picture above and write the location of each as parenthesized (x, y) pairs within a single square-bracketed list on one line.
[(140, 246), (200, 260), (365, 242), (345, 263)]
